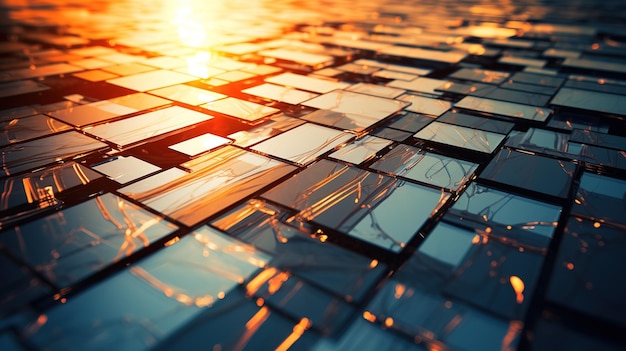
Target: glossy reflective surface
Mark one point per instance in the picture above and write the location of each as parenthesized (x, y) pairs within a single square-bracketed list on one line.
[(326, 176)]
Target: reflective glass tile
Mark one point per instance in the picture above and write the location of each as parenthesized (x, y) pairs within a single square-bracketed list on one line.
[(71, 244), (35, 192), (531, 88), (463, 88), (480, 75), (272, 126), (125, 169), (335, 269), (446, 57), (359, 203), (188, 94), (376, 90), (39, 71), (350, 103), (600, 139), (95, 75), (305, 58), (21, 129), (141, 307), (420, 85), (18, 289), (409, 121), (413, 304), (600, 198), (415, 71), (522, 61), (412, 163), (280, 93), (503, 108), (21, 87), (36, 153), (148, 125), (540, 140), (246, 110), (91, 63), (306, 83), (151, 80), (465, 120), (361, 150), (119, 58), (599, 155), (139, 101), (392, 134), (590, 100), (91, 113), (128, 69), (303, 144), (494, 275), (584, 277), (532, 172), (595, 64), (215, 181), (519, 97), (486, 205), (300, 299), (387, 74), (197, 145), (427, 106), (234, 76), (164, 62), (478, 140), (537, 79)]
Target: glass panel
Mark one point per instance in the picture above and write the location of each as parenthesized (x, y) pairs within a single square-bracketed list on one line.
[(140, 101), (37, 71), (18, 288), (125, 169), (584, 277), (303, 144), (537, 79), (480, 75), (376, 90), (421, 85), (532, 172), (600, 198), (464, 88), (148, 125), (95, 75), (393, 67), (71, 244), (465, 120), (328, 266), (503, 108), (409, 121), (590, 100), (273, 126), (280, 93), (202, 143), (32, 154), (187, 94), (350, 103), (215, 182), (128, 69), (151, 80), (358, 203), (478, 140), (35, 192), (446, 57), (246, 110), (488, 206), (515, 96), (410, 162), (305, 58), (21, 129), (21, 87), (425, 105), (361, 150), (91, 113), (306, 83)]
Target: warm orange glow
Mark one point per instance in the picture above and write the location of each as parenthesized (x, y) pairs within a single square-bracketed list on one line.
[(518, 286), (277, 282), (476, 239), (368, 316), (297, 332), (570, 266), (172, 241), (258, 319), (323, 238), (596, 225), (388, 322), (255, 284), (373, 264), (399, 290)]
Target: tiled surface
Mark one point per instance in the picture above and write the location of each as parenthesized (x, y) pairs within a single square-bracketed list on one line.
[(372, 175)]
